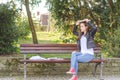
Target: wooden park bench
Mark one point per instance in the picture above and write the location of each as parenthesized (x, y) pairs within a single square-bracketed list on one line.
[(56, 49)]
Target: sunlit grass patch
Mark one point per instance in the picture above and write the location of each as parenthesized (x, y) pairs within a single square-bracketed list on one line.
[(43, 38)]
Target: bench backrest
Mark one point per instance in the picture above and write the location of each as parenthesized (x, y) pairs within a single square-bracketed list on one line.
[(51, 48)]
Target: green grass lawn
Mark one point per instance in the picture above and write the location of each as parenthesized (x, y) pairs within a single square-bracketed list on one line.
[(45, 38)]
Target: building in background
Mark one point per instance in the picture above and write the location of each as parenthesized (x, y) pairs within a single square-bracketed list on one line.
[(41, 21), (44, 19)]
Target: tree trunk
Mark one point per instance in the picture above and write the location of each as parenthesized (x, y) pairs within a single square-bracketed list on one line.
[(118, 4), (112, 10), (34, 36), (111, 4)]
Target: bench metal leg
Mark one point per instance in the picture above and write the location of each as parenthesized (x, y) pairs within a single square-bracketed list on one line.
[(95, 69), (25, 67), (101, 71), (101, 68)]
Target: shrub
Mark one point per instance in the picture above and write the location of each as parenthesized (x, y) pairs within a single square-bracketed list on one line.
[(9, 33), (112, 45)]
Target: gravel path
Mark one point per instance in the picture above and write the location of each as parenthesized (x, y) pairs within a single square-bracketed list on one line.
[(60, 77)]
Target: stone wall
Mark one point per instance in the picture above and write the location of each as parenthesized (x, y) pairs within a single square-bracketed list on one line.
[(10, 66)]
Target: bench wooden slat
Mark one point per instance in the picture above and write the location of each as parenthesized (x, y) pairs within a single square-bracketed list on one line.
[(49, 45), (55, 48), (49, 51), (47, 48), (52, 45), (57, 61), (44, 51)]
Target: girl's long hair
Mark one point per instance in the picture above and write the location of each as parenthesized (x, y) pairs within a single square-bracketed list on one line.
[(81, 33)]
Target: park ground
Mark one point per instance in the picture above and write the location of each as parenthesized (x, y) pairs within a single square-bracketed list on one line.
[(61, 77)]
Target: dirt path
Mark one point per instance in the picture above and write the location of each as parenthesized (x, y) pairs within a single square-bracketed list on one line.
[(60, 77)]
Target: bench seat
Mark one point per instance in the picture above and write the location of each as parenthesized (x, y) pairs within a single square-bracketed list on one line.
[(57, 49)]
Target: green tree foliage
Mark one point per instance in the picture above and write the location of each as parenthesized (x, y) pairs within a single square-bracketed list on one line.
[(65, 12), (104, 13), (23, 25), (9, 33)]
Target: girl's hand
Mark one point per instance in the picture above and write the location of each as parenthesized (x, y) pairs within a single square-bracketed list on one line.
[(87, 20), (78, 22)]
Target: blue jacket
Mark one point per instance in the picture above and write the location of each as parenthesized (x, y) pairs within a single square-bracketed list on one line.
[(89, 35)]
